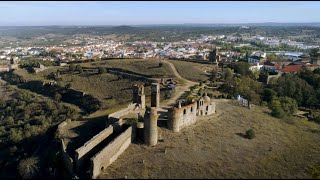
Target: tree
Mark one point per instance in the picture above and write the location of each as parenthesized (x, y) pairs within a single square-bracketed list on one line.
[(28, 168), (212, 56), (317, 71), (293, 86), (314, 52), (276, 109), (102, 70), (250, 134), (255, 74), (283, 107), (72, 67), (248, 88), (247, 56), (10, 120), (268, 94), (79, 69), (288, 105), (228, 75), (214, 73), (242, 68)]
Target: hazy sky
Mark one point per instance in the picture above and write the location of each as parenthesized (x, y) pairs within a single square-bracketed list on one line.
[(165, 12)]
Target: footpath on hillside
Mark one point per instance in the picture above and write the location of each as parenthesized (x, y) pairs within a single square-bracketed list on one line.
[(179, 89)]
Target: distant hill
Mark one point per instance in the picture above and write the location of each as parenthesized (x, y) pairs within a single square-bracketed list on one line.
[(314, 24)]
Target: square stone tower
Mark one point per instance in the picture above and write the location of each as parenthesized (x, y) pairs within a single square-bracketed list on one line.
[(155, 95), (139, 96)]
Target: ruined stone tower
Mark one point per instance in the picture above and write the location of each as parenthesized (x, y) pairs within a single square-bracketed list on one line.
[(139, 96), (151, 127), (155, 95)]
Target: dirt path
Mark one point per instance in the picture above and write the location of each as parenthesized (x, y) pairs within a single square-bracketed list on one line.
[(179, 89)]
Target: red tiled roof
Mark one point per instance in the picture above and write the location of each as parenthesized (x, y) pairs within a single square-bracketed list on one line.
[(293, 68)]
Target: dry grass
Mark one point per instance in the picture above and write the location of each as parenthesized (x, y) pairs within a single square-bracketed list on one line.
[(36, 76), (107, 87), (213, 148), (192, 71), (142, 66)]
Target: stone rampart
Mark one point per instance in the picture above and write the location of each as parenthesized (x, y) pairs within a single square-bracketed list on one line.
[(111, 152)]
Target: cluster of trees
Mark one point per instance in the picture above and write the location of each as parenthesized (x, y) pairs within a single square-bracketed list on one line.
[(26, 116), (25, 120), (274, 57), (304, 87), (28, 63), (73, 67), (244, 83), (285, 94), (281, 98)]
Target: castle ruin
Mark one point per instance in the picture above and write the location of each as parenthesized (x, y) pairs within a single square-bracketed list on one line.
[(105, 147)]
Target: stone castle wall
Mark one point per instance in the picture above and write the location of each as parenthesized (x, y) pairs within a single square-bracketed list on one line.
[(122, 112), (81, 152), (111, 152), (180, 117)]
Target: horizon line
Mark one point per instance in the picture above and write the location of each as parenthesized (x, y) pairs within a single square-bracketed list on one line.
[(167, 24)]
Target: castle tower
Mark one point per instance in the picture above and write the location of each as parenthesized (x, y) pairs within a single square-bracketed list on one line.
[(151, 127), (139, 96), (155, 95), (173, 119)]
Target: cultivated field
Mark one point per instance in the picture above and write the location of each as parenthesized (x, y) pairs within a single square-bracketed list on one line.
[(214, 147)]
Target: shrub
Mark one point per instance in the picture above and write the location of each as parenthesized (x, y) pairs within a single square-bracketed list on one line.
[(79, 69), (160, 64), (282, 107), (2, 131), (15, 135), (72, 67), (278, 112), (57, 97), (314, 170), (28, 168), (250, 134), (102, 70), (10, 120), (131, 121)]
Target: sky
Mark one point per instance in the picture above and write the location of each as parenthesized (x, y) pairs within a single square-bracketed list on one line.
[(37, 13)]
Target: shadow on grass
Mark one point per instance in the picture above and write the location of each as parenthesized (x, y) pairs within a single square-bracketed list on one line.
[(85, 132), (154, 67), (242, 135), (313, 131)]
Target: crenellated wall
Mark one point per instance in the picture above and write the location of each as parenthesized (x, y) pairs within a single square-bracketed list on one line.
[(182, 116), (111, 152)]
